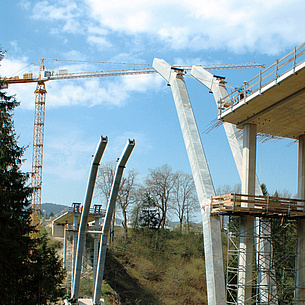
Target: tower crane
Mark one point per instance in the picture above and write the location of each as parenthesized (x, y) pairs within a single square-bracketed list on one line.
[(40, 100)]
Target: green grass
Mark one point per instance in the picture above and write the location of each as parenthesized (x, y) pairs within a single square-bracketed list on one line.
[(152, 268), (157, 268)]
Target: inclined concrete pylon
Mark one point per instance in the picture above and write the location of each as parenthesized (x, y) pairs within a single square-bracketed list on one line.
[(202, 179), (84, 219), (266, 283), (96, 300)]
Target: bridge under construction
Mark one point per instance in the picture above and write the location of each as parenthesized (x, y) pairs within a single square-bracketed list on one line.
[(272, 104)]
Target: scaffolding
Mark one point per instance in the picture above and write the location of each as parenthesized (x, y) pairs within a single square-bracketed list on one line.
[(278, 216), (66, 226), (88, 267)]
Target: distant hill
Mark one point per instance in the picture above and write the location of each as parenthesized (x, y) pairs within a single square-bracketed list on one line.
[(48, 208)]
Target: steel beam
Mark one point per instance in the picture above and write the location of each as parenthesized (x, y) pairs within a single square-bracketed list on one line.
[(84, 218), (107, 222), (202, 179)]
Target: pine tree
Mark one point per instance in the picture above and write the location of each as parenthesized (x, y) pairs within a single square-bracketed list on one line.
[(15, 228), (149, 214), (30, 270), (46, 273)]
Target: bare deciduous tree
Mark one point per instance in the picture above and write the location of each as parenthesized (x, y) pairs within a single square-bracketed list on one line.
[(126, 192), (227, 189), (184, 200), (105, 179), (159, 184)]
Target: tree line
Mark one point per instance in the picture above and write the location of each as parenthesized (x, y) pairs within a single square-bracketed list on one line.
[(153, 201)]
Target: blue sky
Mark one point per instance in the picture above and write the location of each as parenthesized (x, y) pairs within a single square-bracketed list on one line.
[(183, 32)]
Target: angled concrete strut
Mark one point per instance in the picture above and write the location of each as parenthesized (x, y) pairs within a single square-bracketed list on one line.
[(107, 222), (263, 246), (84, 218), (203, 182)]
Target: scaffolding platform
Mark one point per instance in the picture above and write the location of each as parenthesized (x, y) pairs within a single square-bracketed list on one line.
[(259, 206)]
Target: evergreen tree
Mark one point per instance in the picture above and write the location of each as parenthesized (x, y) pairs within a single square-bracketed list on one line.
[(46, 273), (26, 260), (149, 214), (15, 228)]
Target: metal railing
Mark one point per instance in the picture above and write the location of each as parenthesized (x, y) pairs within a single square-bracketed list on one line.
[(92, 210), (254, 86), (78, 210)]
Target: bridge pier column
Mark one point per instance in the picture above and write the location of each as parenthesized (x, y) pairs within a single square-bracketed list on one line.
[(300, 258), (246, 239)]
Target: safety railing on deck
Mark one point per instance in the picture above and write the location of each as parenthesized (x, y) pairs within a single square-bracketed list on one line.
[(94, 210), (265, 77), (257, 205)]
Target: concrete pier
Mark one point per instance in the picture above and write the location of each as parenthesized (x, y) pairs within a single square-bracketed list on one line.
[(202, 179), (300, 259), (246, 239)]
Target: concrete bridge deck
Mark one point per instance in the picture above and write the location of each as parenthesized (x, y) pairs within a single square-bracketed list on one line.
[(274, 100)]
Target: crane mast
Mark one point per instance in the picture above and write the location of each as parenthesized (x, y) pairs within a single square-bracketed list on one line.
[(38, 140), (40, 103)]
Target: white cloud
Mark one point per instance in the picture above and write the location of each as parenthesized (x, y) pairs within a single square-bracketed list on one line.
[(14, 45), (64, 154), (142, 83), (98, 40), (203, 24), (66, 11), (110, 92), (44, 10), (99, 92), (241, 26), (117, 142), (25, 4), (96, 30), (24, 92), (12, 67)]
